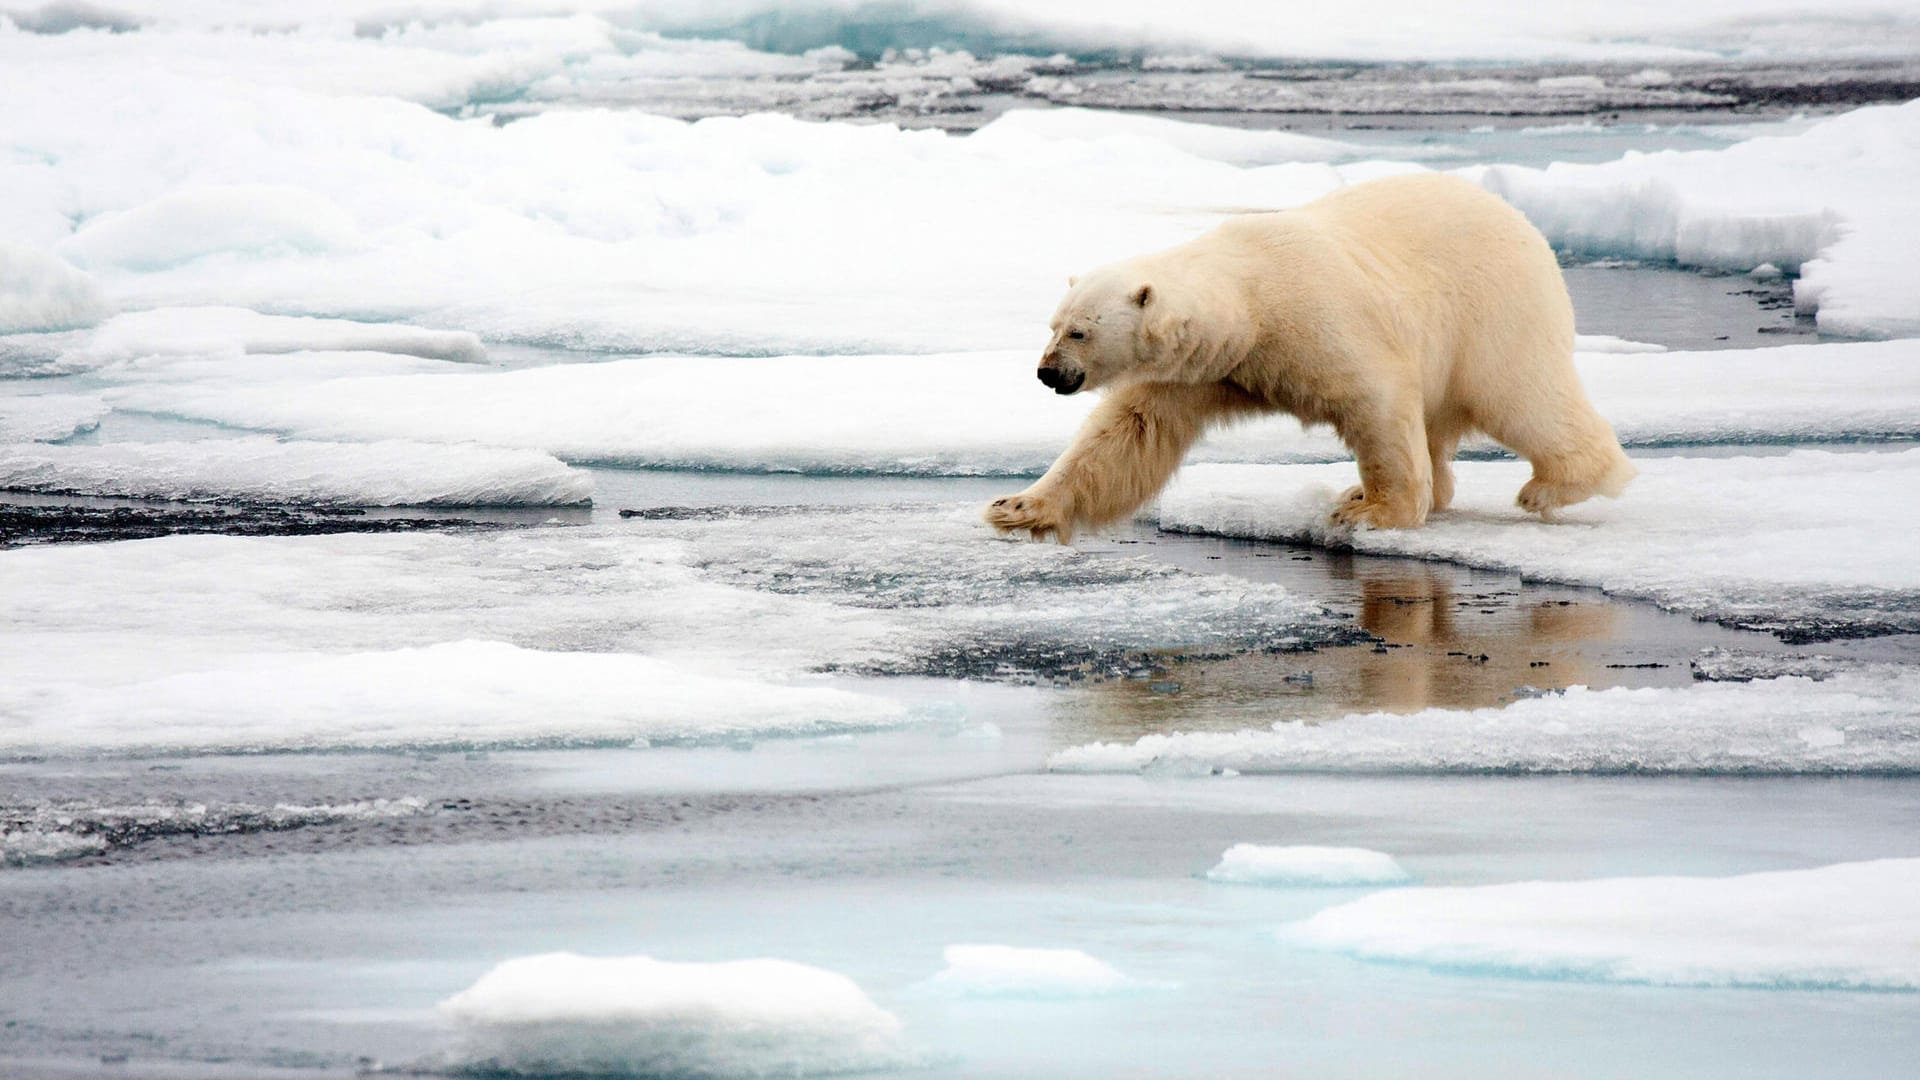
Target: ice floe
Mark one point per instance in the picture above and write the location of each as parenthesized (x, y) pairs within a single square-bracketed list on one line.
[(1305, 864), (974, 413), (1807, 543), (1850, 926), (463, 693), (562, 1014), (1864, 721), (48, 417), (260, 469), (1824, 201), (1008, 971), (226, 331)]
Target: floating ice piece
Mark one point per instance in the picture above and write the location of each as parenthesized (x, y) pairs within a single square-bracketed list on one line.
[(226, 330), (1235, 146), (1007, 971), (40, 291), (47, 417), (1848, 926), (462, 693), (1827, 201), (1864, 721), (1305, 864), (1807, 543), (260, 469), (981, 413), (562, 1014)]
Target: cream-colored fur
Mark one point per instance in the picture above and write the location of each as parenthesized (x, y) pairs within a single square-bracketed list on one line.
[(1408, 313)]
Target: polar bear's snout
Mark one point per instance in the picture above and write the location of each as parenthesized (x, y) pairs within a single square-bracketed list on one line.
[(1057, 377)]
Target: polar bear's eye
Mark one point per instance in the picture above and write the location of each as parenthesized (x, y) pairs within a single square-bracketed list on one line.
[(1077, 335)]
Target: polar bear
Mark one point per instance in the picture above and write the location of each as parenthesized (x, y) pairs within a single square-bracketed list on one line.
[(1407, 312)]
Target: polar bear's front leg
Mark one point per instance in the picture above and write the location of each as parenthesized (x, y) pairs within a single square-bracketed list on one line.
[(1389, 442), (1123, 455)]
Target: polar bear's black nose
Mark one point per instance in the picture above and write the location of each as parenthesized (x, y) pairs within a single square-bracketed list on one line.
[(1061, 382)]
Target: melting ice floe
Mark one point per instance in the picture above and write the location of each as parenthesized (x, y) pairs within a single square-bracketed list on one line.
[(1867, 720), (975, 413), (636, 1016), (1847, 926), (467, 693), (387, 473), (1007, 971), (1807, 543), (1302, 864)]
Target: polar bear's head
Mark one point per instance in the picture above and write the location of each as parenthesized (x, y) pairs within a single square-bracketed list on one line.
[(1101, 331)]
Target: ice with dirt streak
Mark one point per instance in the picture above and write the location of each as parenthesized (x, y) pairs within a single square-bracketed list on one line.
[(1850, 926)]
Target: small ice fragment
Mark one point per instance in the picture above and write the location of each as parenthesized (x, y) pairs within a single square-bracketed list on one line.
[(1255, 864), (1011, 971)]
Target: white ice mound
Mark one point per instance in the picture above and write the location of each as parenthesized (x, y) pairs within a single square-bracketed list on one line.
[(461, 693), (1847, 926), (40, 291), (215, 331), (1306, 864), (1235, 146), (242, 219), (1010, 971), (1806, 541), (1865, 721), (562, 1014), (262, 469), (45, 417)]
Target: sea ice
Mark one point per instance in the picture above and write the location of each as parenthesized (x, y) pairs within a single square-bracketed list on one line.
[(1007, 971), (47, 417), (1234, 146), (1305, 864), (462, 693), (976, 413), (261, 469), (225, 331), (1864, 721), (560, 1013), (1848, 926), (1807, 543)]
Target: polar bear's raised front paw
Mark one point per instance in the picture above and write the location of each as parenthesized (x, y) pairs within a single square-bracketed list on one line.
[(1040, 517)]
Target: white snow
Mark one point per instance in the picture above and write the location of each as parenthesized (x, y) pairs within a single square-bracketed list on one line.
[(243, 219), (1867, 720), (1802, 539), (1008, 971), (40, 291), (462, 693), (1830, 201), (977, 413), (559, 1013), (1850, 926), (48, 417), (1306, 864), (261, 469)]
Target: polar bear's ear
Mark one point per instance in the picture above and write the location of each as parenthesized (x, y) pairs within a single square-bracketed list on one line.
[(1143, 295), (1072, 280)]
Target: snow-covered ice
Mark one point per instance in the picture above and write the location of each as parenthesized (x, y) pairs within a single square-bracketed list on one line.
[(1305, 864), (462, 694), (258, 468), (226, 331), (1863, 721), (39, 291), (974, 413), (48, 417), (1234, 146), (1009, 971), (1808, 542), (1848, 926), (559, 1013)]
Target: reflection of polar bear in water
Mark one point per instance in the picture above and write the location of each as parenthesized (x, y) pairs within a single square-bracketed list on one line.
[(1408, 313)]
